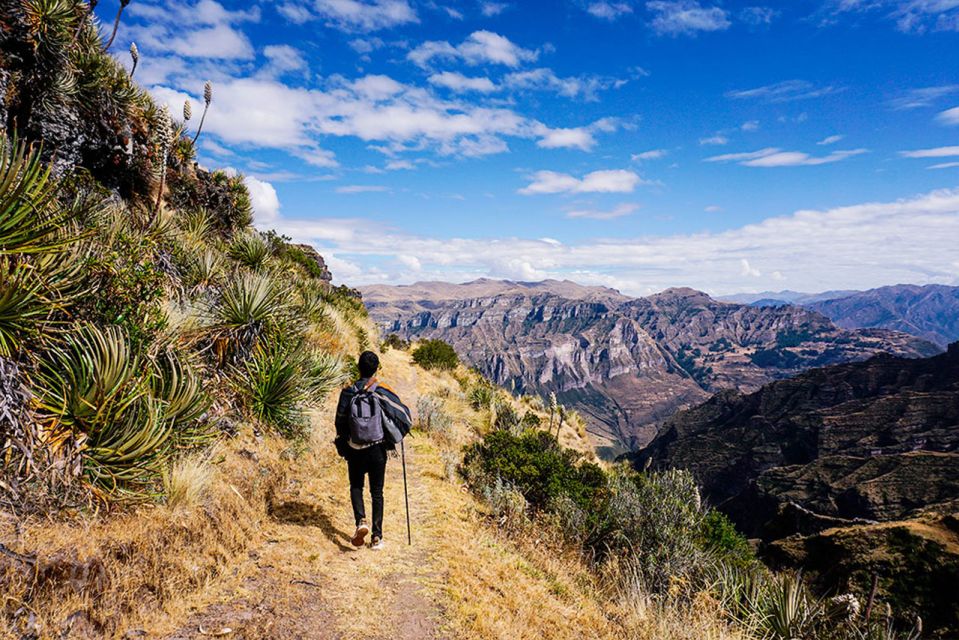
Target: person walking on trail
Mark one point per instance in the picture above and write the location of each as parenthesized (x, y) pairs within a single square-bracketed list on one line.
[(368, 415)]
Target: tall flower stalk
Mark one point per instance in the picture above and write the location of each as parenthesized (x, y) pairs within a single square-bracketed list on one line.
[(116, 22), (207, 99), (135, 55), (164, 141)]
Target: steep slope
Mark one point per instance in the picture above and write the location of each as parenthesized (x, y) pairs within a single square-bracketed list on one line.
[(930, 312), (846, 471), (625, 363)]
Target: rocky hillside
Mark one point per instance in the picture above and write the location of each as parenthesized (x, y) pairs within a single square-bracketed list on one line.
[(835, 465), (930, 312), (625, 363)]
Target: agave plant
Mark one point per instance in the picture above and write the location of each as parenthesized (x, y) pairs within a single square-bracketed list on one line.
[(251, 250), (275, 388), (324, 372), (180, 387), (206, 270), (30, 219), (96, 388), (248, 306)]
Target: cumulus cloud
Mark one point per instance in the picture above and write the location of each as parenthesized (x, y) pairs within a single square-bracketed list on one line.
[(618, 211), (814, 250), (608, 10), (586, 87), (679, 17), (608, 181), (481, 47), (266, 204), (352, 15), (458, 82), (283, 58), (786, 91), (758, 16), (203, 29), (773, 157), (490, 9)]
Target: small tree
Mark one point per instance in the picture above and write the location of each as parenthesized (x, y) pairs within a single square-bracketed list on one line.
[(435, 354)]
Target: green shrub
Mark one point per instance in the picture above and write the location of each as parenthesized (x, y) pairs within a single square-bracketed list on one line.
[(435, 354), (393, 341), (721, 538), (536, 467)]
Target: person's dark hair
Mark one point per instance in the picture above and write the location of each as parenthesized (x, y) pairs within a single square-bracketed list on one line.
[(368, 364)]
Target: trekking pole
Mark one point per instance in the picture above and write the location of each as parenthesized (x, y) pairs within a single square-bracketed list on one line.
[(406, 496)]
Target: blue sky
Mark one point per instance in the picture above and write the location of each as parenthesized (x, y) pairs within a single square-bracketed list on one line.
[(728, 146)]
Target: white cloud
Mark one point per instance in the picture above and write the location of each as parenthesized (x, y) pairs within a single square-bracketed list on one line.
[(490, 9), (266, 204), (284, 58), (773, 157), (758, 16), (460, 83), (915, 16), (751, 125), (361, 188), (949, 116), (713, 208), (355, 15), (718, 140), (747, 270), (608, 181), (786, 91), (618, 211), (830, 140), (608, 10), (204, 29), (399, 165), (675, 17), (480, 47), (653, 154), (937, 152), (923, 96), (587, 86), (812, 250), (944, 165)]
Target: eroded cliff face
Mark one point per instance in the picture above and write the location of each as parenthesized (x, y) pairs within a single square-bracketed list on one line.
[(627, 364), (847, 471)]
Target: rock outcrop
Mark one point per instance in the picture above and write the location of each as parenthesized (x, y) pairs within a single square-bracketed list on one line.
[(626, 363)]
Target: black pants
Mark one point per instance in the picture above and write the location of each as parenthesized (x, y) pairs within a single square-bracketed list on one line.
[(361, 462)]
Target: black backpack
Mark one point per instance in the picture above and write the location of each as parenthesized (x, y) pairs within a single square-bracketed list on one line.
[(366, 417)]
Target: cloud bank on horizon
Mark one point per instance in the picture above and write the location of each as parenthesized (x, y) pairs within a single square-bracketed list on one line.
[(636, 144)]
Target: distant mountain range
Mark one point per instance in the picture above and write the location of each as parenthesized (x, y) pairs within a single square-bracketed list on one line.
[(930, 312), (626, 363), (847, 471)]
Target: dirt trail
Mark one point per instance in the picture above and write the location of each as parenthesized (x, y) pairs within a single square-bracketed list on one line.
[(308, 581)]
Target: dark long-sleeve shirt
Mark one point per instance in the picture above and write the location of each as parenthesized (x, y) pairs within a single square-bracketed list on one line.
[(391, 405)]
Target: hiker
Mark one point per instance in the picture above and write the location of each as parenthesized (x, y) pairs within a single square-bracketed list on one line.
[(370, 420)]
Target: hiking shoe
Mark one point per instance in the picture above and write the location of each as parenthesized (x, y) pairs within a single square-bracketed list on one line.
[(360, 536), (376, 543)]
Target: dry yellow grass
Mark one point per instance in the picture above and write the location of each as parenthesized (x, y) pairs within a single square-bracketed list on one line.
[(272, 537)]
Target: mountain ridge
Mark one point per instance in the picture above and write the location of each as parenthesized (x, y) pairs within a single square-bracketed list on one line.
[(627, 363)]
